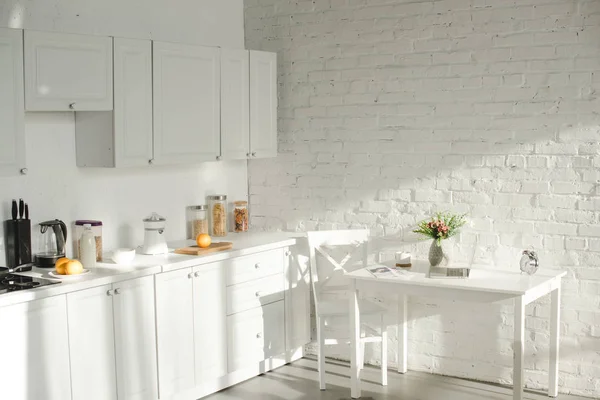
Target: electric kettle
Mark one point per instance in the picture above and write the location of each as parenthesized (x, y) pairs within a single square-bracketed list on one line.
[(154, 235), (52, 244)]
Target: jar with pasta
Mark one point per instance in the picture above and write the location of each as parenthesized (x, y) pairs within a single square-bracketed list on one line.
[(240, 216), (218, 215)]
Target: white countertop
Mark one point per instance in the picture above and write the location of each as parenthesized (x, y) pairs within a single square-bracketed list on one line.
[(143, 265)]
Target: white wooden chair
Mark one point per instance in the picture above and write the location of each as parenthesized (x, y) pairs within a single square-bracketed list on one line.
[(330, 291)]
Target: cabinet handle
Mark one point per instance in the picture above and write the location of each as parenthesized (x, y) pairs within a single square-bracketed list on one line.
[(257, 266), (197, 274), (24, 171), (72, 106), (117, 291), (253, 154), (288, 253), (109, 292), (219, 158), (259, 335), (151, 161), (258, 294), (248, 154), (190, 275)]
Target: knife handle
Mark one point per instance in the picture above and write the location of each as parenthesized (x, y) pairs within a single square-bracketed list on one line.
[(14, 210), (26, 211), (21, 208)]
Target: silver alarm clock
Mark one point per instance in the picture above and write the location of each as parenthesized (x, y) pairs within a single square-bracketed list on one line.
[(529, 262)]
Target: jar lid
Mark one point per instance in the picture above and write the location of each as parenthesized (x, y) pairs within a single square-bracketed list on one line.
[(154, 218), (217, 197), (200, 207), (82, 222), (240, 203)]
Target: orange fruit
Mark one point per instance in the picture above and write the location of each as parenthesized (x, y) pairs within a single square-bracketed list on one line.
[(60, 264), (203, 240), (73, 267)]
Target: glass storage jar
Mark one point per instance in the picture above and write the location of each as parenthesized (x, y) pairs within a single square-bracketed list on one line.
[(240, 216), (199, 221), (217, 208), (96, 229)]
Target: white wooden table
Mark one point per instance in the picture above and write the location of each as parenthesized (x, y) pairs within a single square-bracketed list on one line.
[(483, 286)]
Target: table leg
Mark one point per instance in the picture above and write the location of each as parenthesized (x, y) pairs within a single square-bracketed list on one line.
[(402, 334), (354, 311), (519, 353), (554, 339)]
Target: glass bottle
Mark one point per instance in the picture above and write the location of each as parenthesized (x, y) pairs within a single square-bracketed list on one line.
[(240, 216), (199, 221), (218, 215), (87, 247)]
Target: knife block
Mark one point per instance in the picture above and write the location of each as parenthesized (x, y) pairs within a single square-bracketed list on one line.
[(17, 237)]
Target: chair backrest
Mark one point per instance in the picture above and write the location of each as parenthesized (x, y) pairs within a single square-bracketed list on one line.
[(321, 243)]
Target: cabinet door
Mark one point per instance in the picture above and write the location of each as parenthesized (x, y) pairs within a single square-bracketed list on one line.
[(210, 324), (255, 335), (235, 104), (263, 104), (297, 295), (68, 72), (135, 339), (92, 344), (186, 103), (175, 331), (133, 102), (35, 354), (12, 109)]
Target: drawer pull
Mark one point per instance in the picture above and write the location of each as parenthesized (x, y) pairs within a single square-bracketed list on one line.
[(288, 253), (190, 275), (259, 293), (109, 292), (117, 291), (257, 265), (196, 275), (259, 335)]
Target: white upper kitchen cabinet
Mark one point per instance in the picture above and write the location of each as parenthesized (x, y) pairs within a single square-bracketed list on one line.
[(123, 137), (235, 104), (35, 356), (210, 322), (175, 332), (135, 339), (263, 104), (187, 92), (12, 108), (92, 344), (68, 72)]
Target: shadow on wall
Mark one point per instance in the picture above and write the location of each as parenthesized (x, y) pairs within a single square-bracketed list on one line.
[(390, 112)]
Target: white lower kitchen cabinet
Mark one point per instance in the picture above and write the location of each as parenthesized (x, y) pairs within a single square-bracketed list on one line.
[(112, 343), (135, 339), (12, 107), (175, 331), (35, 357), (255, 335)]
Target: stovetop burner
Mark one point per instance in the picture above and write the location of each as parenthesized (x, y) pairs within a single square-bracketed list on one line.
[(12, 283)]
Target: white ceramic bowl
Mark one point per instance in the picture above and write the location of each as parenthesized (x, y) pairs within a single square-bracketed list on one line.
[(123, 256)]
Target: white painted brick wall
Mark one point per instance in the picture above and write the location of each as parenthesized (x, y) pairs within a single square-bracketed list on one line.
[(391, 110)]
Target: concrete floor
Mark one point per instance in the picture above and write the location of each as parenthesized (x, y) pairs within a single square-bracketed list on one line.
[(299, 381)]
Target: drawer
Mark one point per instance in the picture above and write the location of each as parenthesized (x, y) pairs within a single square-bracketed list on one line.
[(254, 266), (253, 294), (255, 335)]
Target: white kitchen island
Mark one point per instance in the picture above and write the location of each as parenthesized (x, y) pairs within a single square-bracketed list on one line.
[(168, 327)]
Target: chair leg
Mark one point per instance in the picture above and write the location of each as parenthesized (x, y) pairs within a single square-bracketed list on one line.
[(361, 362), (384, 343), (321, 352)]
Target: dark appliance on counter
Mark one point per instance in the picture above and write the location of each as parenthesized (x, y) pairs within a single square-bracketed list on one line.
[(17, 234), (53, 243), (10, 281)]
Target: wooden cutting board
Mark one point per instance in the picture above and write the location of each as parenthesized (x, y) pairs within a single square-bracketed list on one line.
[(198, 251)]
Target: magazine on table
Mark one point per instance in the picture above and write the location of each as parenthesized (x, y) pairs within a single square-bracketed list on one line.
[(382, 271)]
